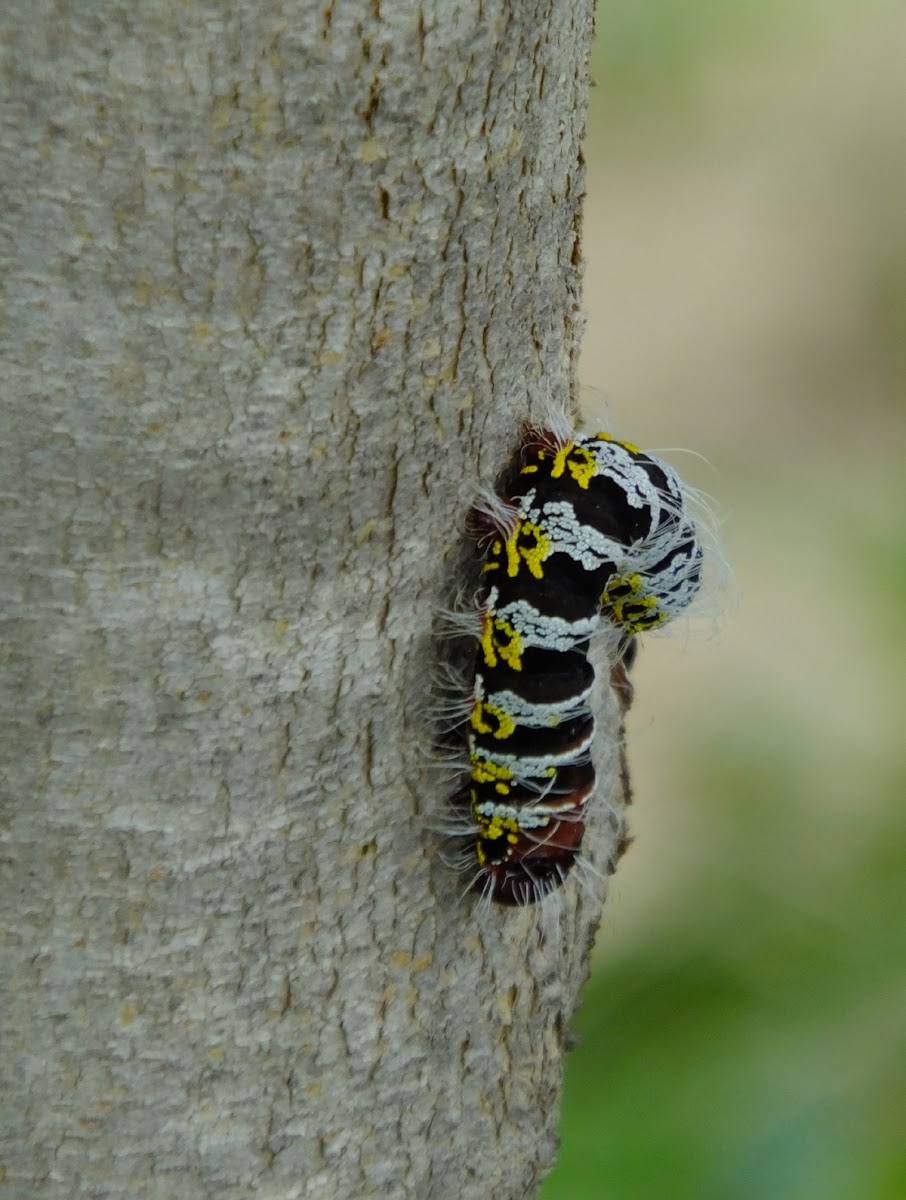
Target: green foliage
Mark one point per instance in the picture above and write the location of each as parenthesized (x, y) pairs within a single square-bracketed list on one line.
[(652, 48)]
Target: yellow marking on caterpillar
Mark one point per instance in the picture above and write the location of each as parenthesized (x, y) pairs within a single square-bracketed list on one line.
[(632, 609), (487, 642), (583, 466), (502, 727), (534, 556), (496, 827), (496, 549), (510, 651), (512, 552), (477, 721), (488, 772), (621, 587), (509, 648), (605, 437), (560, 460), (651, 617), (531, 468), (579, 460)]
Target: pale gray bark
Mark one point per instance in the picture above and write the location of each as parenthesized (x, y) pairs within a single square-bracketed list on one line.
[(281, 282)]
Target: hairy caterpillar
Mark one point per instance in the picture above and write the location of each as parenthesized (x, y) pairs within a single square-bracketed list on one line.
[(585, 533)]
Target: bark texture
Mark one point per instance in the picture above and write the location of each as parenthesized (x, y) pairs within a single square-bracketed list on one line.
[(281, 282)]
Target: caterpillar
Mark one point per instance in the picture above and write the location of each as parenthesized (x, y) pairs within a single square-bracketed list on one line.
[(584, 533)]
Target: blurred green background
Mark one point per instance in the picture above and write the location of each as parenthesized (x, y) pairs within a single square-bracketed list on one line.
[(743, 1035)]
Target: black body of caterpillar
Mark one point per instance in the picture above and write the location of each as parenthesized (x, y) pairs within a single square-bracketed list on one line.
[(585, 532)]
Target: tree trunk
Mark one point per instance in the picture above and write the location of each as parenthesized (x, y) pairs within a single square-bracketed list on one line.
[(282, 282)]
